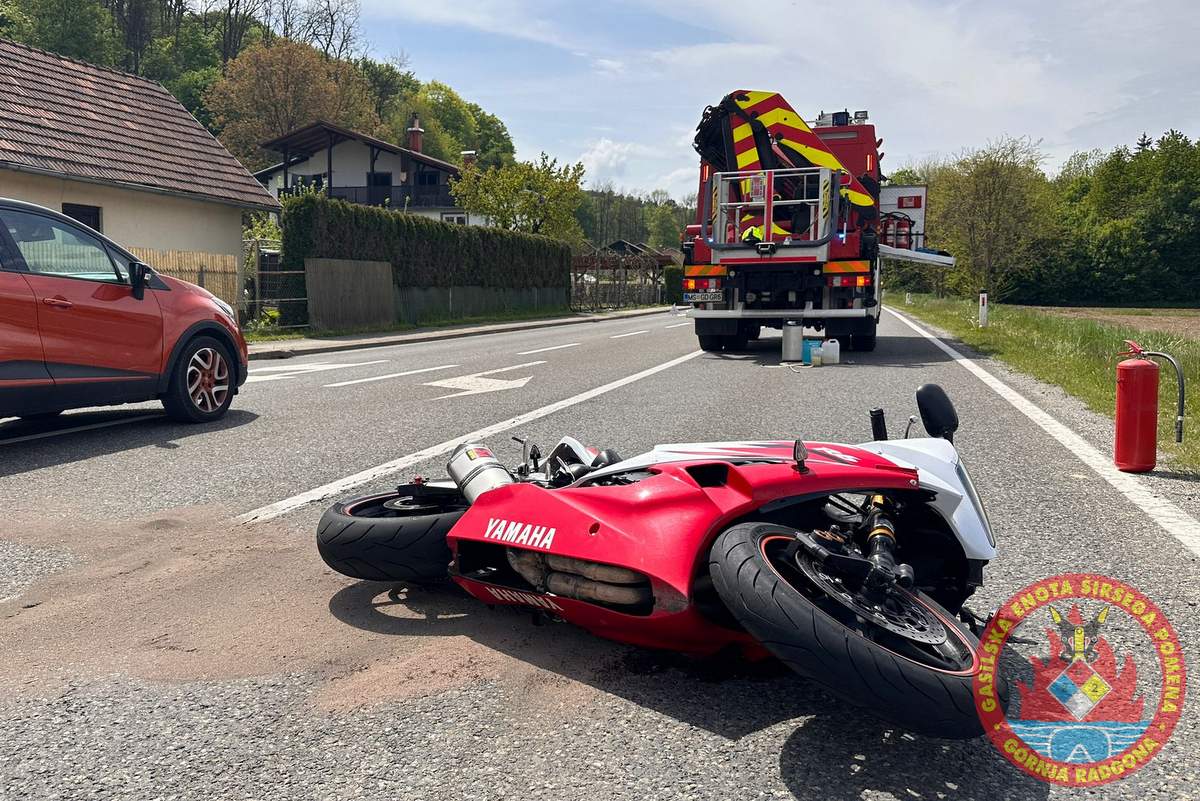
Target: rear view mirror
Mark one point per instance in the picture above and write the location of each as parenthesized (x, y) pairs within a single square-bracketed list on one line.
[(937, 412), (139, 276)]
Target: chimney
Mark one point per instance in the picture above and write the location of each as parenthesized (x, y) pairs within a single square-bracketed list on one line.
[(468, 158), (415, 132)]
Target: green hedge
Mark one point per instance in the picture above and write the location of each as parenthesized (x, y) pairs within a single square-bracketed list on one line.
[(673, 276), (423, 252)]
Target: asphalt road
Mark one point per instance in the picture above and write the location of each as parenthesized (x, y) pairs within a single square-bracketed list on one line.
[(155, 646)]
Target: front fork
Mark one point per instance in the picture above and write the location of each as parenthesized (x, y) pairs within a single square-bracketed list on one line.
[(881, 553)]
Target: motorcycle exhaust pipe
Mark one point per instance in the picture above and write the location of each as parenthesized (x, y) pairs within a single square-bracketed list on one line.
[(608, 574), (585, 589), (476, 470), (623, 586)]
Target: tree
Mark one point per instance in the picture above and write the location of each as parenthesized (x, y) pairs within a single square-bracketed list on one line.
[(81, 29), (332, 26), (285, 18), (389, 81), (135, 21), (235, 20), (453, 114), (14, 22), (494, 146), (271, 90), (665, 231), (532, 197), (992, 205)]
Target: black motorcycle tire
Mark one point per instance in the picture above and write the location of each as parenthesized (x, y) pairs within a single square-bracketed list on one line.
[(917, 697), (357, 541)]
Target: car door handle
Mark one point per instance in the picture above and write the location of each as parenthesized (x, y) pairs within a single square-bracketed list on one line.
[(61, 303)]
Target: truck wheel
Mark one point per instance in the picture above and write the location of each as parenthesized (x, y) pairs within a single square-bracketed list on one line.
[(862, 342), (710, 342)]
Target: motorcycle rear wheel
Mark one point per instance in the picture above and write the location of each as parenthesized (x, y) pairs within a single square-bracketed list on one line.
[(863, 664), (393, 536)]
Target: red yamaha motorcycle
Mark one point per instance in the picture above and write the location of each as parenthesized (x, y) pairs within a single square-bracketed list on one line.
[(849, 563)]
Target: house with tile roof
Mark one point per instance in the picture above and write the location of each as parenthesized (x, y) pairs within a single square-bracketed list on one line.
[(352, 166), (119, 153)]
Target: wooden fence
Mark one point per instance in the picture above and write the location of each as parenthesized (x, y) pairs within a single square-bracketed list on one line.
[(219, 273), (344, 295)]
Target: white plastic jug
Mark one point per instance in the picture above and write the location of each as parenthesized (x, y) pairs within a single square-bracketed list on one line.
[(831, 351)]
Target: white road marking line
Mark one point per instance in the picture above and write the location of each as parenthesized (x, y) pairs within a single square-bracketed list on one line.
[(89, 427), (295, 370), (476, 384), (514, 367), (630, 334), (543, 350), (391, 375), (677, 325), (279, 508), (1176, 522)]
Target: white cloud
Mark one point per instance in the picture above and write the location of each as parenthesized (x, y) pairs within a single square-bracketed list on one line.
[(531, 20), (936, 77), (608, 160), (609, 66)]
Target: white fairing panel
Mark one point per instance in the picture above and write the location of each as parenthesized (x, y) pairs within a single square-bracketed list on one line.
[(940, 471)]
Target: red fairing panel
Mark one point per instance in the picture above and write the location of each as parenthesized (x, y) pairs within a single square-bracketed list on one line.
[(661, 526)]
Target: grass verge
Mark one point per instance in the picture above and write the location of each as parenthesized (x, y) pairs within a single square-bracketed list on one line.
[(1078, 355)]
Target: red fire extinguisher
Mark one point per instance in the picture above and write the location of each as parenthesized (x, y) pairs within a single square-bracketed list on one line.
[(1136, 447)]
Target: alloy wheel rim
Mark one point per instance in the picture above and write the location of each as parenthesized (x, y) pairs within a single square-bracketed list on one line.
[(208, 380)]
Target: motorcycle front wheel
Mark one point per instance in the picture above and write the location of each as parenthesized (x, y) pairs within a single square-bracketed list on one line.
[(393, 536), (910, 663)]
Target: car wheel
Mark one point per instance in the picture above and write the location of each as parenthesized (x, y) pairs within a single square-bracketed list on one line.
[(202, 382)]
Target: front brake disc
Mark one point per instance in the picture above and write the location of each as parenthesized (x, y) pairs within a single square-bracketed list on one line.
[(900, 613)]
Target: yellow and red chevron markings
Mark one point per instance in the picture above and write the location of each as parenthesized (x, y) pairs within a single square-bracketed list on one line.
[(702, 270), (783, 123)]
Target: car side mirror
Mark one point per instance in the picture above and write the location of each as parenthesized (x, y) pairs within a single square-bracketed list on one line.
[(139, 276), (937, 412)]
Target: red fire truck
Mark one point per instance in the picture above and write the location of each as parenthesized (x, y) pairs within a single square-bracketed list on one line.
[(789, 224)]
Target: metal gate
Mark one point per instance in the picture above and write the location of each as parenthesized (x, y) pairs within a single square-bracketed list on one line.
[(272, 296)]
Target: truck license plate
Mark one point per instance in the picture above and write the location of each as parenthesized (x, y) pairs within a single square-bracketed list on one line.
[(703, 297)]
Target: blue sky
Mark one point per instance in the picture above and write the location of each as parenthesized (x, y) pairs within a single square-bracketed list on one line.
[(620, 85)]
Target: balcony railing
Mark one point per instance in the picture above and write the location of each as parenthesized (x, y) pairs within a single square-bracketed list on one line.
[(396, 197)]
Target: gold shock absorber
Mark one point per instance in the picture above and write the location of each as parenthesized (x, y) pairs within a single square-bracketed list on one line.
[(882, 526)]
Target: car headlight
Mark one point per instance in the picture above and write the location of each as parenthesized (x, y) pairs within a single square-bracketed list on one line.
[(969, 486), (226, 308)]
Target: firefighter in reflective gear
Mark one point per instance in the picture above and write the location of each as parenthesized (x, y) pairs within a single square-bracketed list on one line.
[(798, 217)]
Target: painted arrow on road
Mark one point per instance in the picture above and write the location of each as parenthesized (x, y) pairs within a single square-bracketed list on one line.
[(478, 383)]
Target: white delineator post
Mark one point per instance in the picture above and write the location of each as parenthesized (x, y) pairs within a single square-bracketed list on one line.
[(907, 298), (983, 308)]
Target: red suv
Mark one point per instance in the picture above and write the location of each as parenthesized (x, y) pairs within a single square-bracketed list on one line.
[(84, 323)]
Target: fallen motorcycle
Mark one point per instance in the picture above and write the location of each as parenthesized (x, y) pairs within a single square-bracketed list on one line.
[(849, 563)]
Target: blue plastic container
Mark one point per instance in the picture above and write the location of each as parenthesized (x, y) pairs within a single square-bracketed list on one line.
[(806, 351)]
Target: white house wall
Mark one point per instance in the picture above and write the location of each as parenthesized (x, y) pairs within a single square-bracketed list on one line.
[(136, 218), (351, 163)]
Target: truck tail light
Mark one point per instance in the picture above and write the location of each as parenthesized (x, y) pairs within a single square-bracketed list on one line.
[(701, 284), (689, 285), (850, 280)]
